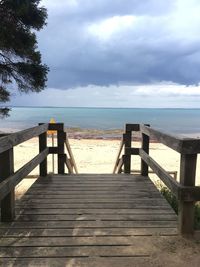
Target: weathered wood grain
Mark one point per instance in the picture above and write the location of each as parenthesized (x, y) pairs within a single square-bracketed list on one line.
[(118, 155), (127, 156), (179, 143), (172, 184), (7, 197), (102, 217), (145, 148), (75, 241), (187, 178), (8, 184), (26, 232), (71, 156), (87, 211), (14, 139), (61, 155), (87, 217), (42, 147), (77, 261)]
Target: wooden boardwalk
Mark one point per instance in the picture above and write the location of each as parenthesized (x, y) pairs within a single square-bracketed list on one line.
[(87, 220)]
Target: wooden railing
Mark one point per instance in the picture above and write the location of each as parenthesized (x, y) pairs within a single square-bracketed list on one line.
[(69, 160), (10, 178), (185, 190)]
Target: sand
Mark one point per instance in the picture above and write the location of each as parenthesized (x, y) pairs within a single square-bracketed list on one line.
[(98, 156)]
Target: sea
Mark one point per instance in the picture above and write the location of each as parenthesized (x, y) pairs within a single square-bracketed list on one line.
[(179, 121)]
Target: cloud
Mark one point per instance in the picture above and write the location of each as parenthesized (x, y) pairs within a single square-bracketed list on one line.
[(141, 96), (105, 43)]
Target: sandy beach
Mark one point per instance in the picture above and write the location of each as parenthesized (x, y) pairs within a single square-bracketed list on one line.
[(98, 156)]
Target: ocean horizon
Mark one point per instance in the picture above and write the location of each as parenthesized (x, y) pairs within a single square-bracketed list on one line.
[(175, 120)]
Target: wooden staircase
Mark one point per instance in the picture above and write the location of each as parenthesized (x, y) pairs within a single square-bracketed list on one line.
[(90, 220)]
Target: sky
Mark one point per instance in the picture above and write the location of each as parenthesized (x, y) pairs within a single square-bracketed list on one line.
[(120, 53)]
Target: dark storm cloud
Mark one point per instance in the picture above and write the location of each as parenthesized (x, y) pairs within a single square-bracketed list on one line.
[(121, 42)]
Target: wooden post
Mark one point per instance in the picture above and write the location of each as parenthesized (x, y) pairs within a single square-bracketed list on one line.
[(7, 169), (42, 146), (53, 167), (145, 147), (127, 156), (186, 209), (61, 155)]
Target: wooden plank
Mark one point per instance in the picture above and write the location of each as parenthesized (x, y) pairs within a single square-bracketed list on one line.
[(118, 155), (92, 224), (176, 142), (75, 241), (174, 173), (70, 154), (100, 189), (55, 126), (102, 217), (189, 193), (16, 232), (102, 176), (157, 200), (42, 147), (162, 174), (82, 178), (87, 211), (8, 185), (145, 148), (61, 155), (76, 261), (120, 164), (7, 197), (132, 127), (92, 196), (94, 183), (89, 190), (53, 150), (94, 206), (69, 165), (58, 251), (97, 187), (132, 151), (190, 146), (172, 141), (127, 156), (186, 209), (14, 139)]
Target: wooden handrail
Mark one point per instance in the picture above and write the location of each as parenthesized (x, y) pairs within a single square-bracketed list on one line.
[(185, 190), (171, 183), (70, 162), (183, 145), (118, 155), (9, 183), (11, 140), (9, 179), (174, 173)]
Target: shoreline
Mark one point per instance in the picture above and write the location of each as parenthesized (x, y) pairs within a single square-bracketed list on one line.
[(78, 133)]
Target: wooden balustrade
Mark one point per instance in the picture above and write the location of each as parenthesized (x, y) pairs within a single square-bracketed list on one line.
[(70, 161), (185, 190), (9, 179)]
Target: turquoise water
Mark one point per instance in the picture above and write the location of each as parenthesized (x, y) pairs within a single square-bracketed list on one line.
[(173, 120)]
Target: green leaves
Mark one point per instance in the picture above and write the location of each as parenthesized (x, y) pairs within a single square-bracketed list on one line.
[(20, 62)]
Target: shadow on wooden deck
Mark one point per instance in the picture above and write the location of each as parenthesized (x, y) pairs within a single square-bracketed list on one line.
[(87, 220)]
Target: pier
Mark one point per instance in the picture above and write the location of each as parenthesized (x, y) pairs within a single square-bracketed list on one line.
[(71, 219)]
